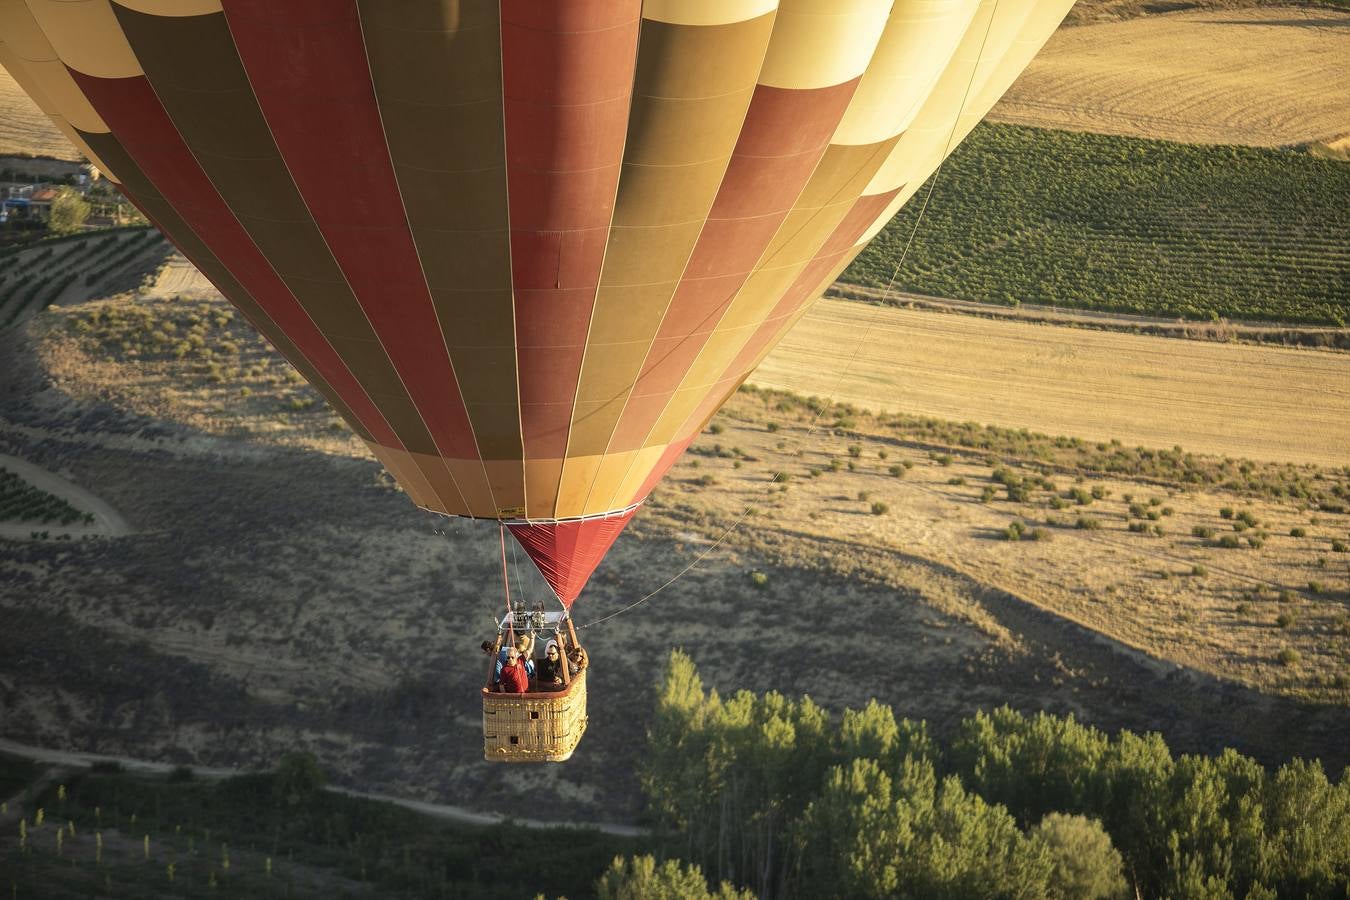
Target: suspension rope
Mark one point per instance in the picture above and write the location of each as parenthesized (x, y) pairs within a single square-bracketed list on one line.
[(506, 583), (857, 348)]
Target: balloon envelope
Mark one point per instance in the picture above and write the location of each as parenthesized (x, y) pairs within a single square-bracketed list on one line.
[(526, 249)]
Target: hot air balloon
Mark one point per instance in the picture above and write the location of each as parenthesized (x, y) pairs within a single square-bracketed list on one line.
[(526, 248)]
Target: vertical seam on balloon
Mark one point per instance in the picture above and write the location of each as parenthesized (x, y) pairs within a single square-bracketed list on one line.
[(510, 270), (417, 253), (202, 169), (759, 264), (618, 421), (599, 280), (304, 203)]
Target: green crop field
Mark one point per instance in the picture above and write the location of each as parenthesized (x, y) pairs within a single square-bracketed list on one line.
[(1025, 215)]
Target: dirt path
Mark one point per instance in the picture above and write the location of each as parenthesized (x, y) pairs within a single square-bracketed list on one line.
[(457, 814), (1268, 77), (107, 521), (1259, 402)]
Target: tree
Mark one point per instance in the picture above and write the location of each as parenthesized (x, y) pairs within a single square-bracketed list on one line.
[(298, 778), (69, 210), (640, 878), (1084, 864)]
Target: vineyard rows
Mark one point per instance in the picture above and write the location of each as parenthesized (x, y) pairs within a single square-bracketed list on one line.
[(1025, 215), (21, 502), (32, 283)]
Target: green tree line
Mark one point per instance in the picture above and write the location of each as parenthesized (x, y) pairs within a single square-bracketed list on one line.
[(775, 795)]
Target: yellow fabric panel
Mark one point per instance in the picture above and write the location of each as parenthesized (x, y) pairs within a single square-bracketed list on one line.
[(919, 151), (706, 12), (818, 43), (173, 7), (18, 69), (914, 49), (643, 463), (575, 487), (34, 56), (613, 469), (87, 36)]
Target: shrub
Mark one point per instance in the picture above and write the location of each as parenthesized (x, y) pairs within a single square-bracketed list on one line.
[(1316, 587), (1199, 571), (988, 493), (640, 878), (707, 480), (1338, 546), (715, 428), (1099, 492), (1084, 862), (1284, 620), (1202, 531), (897, 471), (771, 427), (1226, 512), (1138, 527), (1298, 532), (1088, 524), (1014, 531), (1058, 502), (864, 496), (855, 450), (1247, 517), (956, 480), (1138, 511), (1229, 542), (1167, 510), (879, 508), (759, 579), (1255, 543), (1039, 534), (944, 459), (1288, 657)]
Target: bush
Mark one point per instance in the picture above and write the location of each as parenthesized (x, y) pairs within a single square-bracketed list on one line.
[(1298, 532), (1226, 512), (1284, 620), (897, 471), (1014, 531), (1080, 496), (988, 493), (759, 579), (1288, 657), (716, 428), (1088, 524), (1316, 587), (640, 878), (1199, 571), (1229, 542), (879, 508), (1138, 527), (1338, 547), (1247, 517), (855, 450), (1202, 531), (1084, 863)]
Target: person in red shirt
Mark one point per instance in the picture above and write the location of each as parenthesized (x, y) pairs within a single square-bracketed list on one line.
[(514, 679)]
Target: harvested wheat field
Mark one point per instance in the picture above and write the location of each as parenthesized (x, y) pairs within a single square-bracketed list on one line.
[(26, 130), (1267, 403), (1266, 77)]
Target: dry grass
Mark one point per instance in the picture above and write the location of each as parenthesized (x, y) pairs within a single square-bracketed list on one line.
[(1267, 76), (26, 130), (1265, 403)]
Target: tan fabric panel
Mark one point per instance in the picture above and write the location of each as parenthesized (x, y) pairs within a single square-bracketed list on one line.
[(818, 43), (542, 476), (172, 7), (409, 476), (643, 463), (574, 487), (705, 12), (87, 36), (34, 56), (18, 69), (472, 481), (692, 87), (436, 68), (913, 52)]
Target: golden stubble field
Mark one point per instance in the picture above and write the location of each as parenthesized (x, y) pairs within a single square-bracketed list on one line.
[(1242, 400), (24, 129), (1264, 76)]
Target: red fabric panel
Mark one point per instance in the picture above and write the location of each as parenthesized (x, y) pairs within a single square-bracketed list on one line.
[(784, 136), (306, 60), (567, 77), (566, 553), (134, 114)]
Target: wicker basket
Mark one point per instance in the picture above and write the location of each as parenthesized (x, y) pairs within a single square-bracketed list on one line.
[(542, 727)]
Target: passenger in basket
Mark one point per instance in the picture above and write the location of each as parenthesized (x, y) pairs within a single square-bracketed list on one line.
[(576, 660), (548, 671), (524, 647), (514, 680)]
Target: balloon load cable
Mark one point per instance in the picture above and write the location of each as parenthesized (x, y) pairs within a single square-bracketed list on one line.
[(857, 348)]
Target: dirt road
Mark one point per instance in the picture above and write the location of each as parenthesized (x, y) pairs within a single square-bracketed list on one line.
[(107, 521)]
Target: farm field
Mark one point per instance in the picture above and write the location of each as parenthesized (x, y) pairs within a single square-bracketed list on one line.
[(1266, 403), (1266, 76), (26, 130), (1024, 215)]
